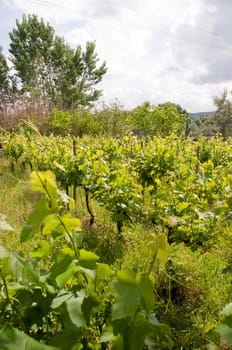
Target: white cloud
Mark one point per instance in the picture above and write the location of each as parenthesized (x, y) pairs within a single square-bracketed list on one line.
[(155, 50)]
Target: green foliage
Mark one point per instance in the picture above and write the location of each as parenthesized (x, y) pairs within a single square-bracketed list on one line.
[(4, 73), (167, 195), (53, 299), (222, 115), (202, 125), (13, 339), (59, 122), (161, 120)]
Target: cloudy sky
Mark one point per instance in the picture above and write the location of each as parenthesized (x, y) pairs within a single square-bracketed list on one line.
[(155, 50)]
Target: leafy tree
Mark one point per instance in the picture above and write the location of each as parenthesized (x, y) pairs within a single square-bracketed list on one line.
[(158, 120), (170, 118), (179, 108), (48, 67), (202, 124), (8, 90), (223, 114), (59, 122), (4, 73)]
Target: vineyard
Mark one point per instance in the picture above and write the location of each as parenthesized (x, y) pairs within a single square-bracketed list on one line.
[(128, 245)]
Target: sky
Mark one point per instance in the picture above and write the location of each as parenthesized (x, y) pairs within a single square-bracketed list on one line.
[(155, 50)]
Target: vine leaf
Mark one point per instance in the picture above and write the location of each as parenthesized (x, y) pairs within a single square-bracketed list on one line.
[(35, 220), (12, 339), (45, 182), (127, 295)]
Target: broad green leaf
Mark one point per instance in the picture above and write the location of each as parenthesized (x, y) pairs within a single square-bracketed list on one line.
[(62, 271), (91, 272), (42, 250), (19, 269), (225, 330), (71, 224), (12, 339), (146, 291), (50, 223), (63, 278), (103, 271), (62, 297), (35, 220), (73, 314), (107, 334), (127, 295), (89, 304), (118, 343), (88, 259), (69, 339), (211, 347), (158, 245), (78, 238), (139, 329), (45, 182)]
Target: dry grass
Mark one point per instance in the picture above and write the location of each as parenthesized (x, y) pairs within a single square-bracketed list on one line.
[(16, 201)]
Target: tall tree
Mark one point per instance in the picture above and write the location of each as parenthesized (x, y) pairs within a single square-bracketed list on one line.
[(223, 114), (48, 67), (4, 73), (8, 89)]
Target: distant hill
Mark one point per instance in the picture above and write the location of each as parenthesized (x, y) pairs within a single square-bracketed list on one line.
[(193, 115)]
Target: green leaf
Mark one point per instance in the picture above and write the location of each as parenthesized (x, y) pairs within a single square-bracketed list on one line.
[(87, 259), (89, 305), (103, 271), (225, 330), (107, 334), (118, 343), (73, 314), (146, 291), (71, 224), (158, 245), (45, 182), (211, 347), (62, 297), (35, 220), (50, 223), (42, 250), (127, 295), (12, 339), (62, 271), (138, 332), (19, 269)]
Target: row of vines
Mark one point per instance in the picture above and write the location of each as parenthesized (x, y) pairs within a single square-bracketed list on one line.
[(62, 297), (182, 185)]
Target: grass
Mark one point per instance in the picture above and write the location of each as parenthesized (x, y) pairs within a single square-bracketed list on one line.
[(16, 200)]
